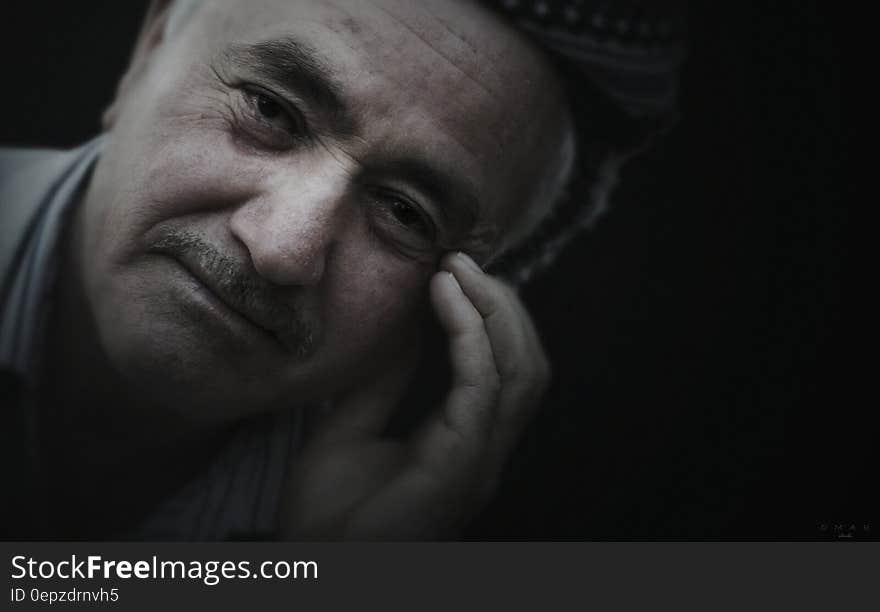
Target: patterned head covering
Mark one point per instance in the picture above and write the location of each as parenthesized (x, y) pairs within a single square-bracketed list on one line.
[(630, 51)]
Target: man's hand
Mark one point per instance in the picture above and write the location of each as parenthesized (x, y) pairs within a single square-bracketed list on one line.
[(350, 482)]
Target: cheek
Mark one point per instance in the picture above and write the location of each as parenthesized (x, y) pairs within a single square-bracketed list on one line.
[(375, 306), (169, 155), (193, 172)]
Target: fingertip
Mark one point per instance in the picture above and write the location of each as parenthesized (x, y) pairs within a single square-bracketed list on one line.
[(468, 262), (446, 262), (453, 282), (460, 262), (444, 281), (443, 288), (451, 304)]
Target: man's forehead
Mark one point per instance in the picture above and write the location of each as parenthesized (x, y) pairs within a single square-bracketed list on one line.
[(445, 77), (450, 45)]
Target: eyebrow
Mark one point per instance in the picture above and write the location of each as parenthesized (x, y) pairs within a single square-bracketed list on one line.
[(300, 70)]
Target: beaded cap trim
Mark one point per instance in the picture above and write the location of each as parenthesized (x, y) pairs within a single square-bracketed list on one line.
[(631, 51)]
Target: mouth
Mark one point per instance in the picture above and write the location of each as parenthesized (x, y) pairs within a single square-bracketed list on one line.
[(225, 308), (237, 295)]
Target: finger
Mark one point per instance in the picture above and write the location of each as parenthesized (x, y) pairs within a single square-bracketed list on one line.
[(494, 302), (474, 375), (364, 411), (519, 355), (512, 421), (460, 431), (534, 339)]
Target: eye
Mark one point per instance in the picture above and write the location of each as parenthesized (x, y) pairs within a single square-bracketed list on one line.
[(400, 222), (271, 121), (407, 215), (268, 107)]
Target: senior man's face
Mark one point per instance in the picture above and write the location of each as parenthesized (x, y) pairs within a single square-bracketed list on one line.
[(281, 179)]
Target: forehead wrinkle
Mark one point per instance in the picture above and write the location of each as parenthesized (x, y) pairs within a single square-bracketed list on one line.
[(446, 26), (463, 195), (392, 114), (450, 60), (345, 23), (399, 151)]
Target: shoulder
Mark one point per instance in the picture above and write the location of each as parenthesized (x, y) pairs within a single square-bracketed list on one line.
[(23, 172), (27, 177), (19, 168)]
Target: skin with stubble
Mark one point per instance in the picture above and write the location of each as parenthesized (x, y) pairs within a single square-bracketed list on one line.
[(284, 201)]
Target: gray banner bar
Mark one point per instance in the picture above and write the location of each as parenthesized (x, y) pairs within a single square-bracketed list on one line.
[(442, 576)]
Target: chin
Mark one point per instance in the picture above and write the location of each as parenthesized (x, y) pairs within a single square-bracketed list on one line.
[(193, 383)]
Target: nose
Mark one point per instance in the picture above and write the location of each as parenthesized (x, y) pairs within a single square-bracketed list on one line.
[(291, 224)]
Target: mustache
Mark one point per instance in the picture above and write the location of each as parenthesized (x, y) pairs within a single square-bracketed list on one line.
[(240, 288)]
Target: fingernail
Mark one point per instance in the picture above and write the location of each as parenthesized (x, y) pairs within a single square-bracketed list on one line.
[(454, 280), (469, 262)]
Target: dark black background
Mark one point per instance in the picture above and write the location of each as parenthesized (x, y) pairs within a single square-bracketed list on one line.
[(702, 335)]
